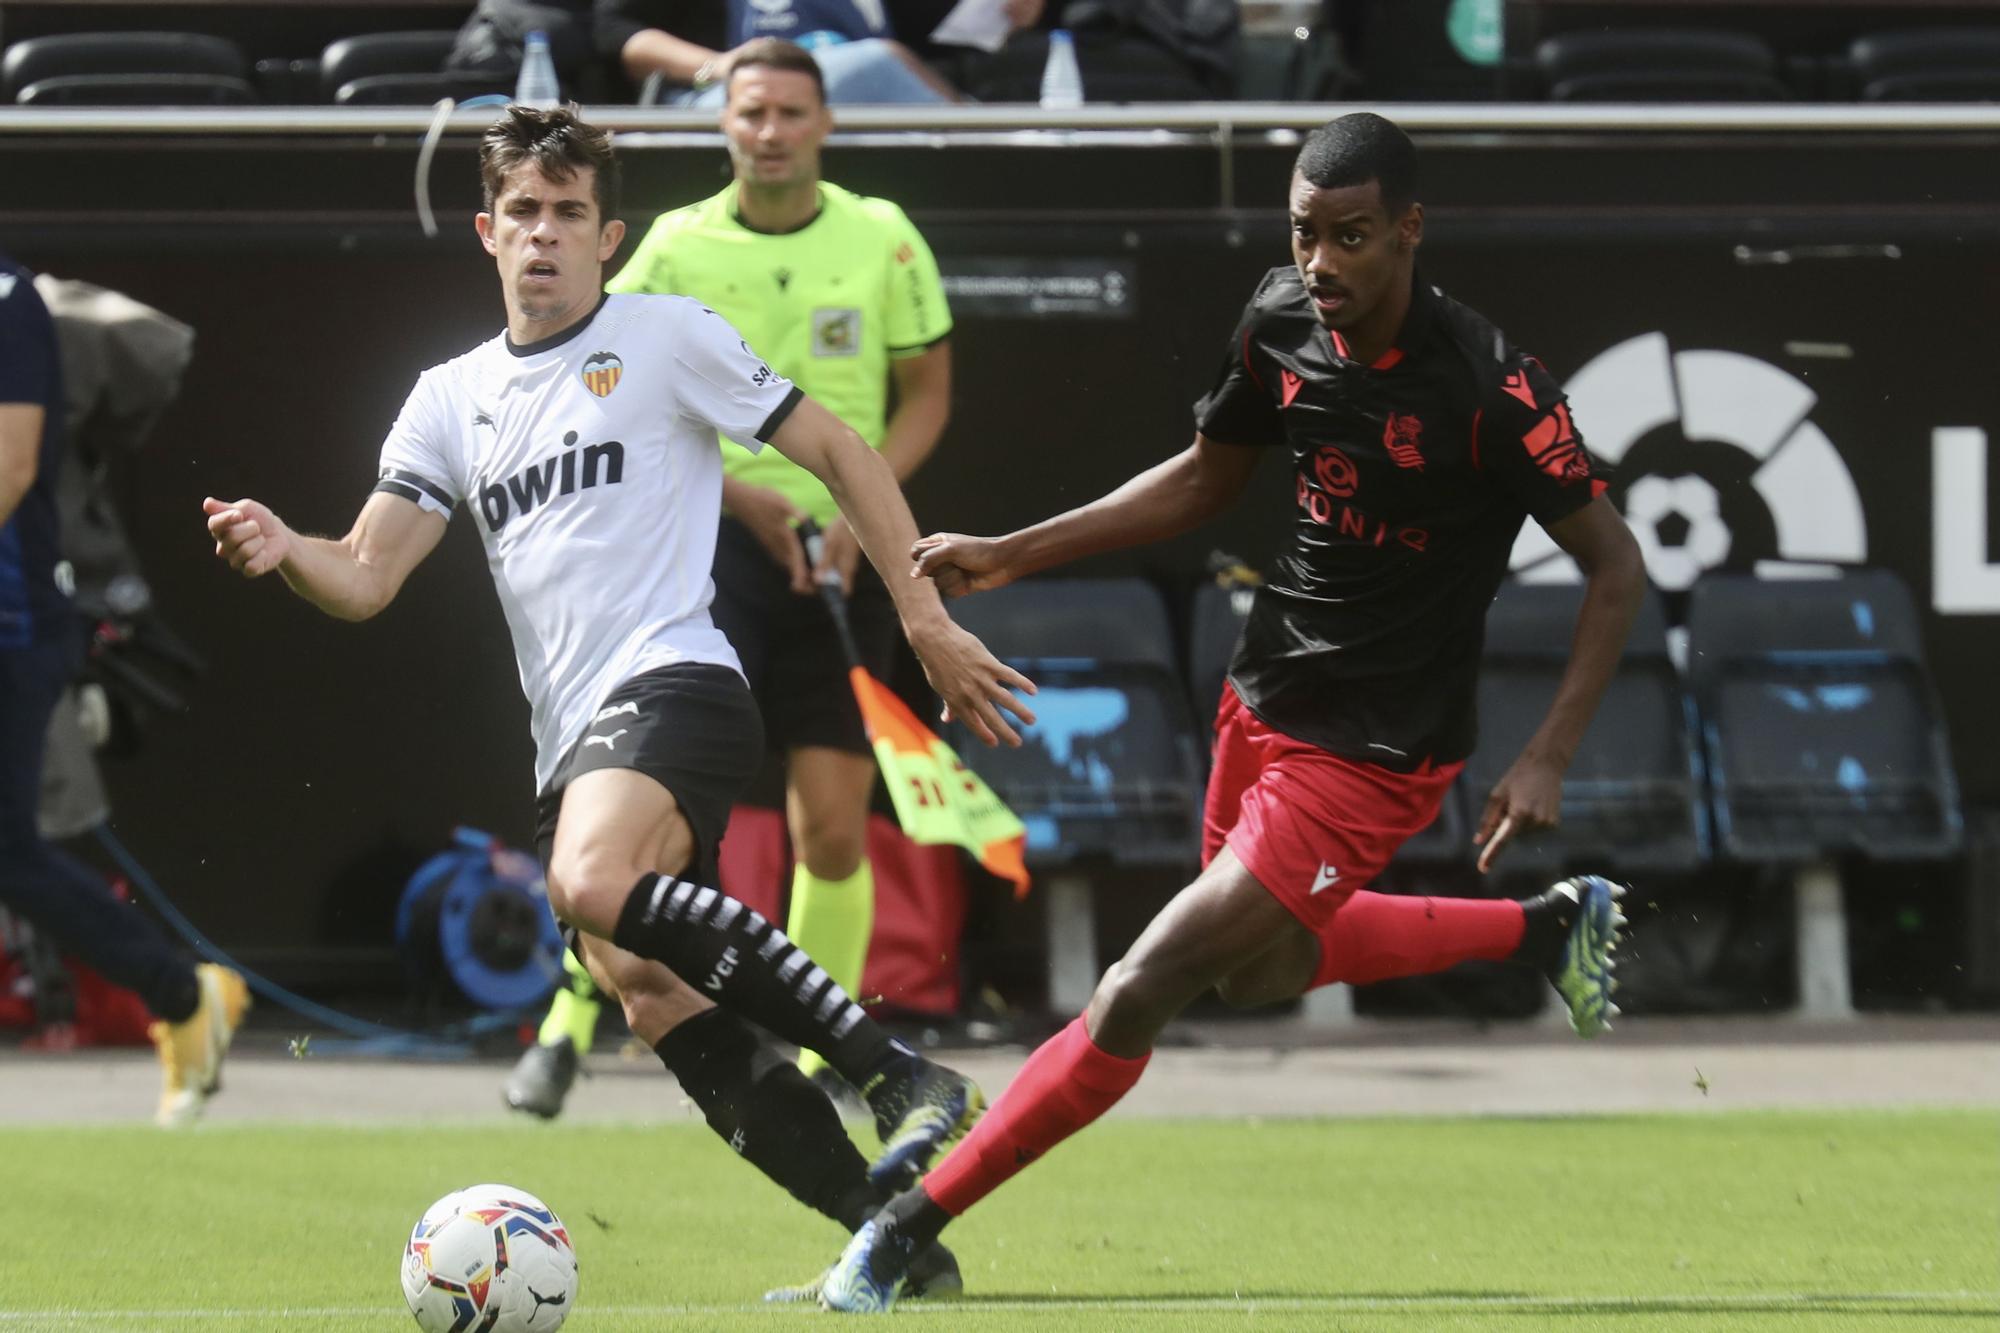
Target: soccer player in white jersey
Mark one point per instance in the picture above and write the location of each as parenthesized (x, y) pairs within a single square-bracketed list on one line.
[(583, 443)]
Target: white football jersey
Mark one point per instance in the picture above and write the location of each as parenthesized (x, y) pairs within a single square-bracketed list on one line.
[(589, 461)]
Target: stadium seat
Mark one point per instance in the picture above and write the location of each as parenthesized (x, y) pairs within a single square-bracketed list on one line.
[(137, 90), (1670, 86), (1658, 65), (1570, 54), (1113, 767), (1823, 738), (1944, 64), (406, 64), (1632, 799), (1820, 724), (1967, 85), (1112, 770), (416, 89), (197, 68)]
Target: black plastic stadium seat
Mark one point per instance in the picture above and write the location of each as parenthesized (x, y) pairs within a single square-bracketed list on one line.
[(1819, 721), (382, 53), (1632, 798), (1570, 54), (1658, 65), (1946, 64), (1113, 766), (416, 89), (40, 59), (1670, 86), (1881, 55), (1957, 85), (137, 90)]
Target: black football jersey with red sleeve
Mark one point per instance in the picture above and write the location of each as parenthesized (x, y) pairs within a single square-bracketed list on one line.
[(1411, 477)]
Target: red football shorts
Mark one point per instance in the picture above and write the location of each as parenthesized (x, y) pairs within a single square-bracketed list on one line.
[(1311, 826)]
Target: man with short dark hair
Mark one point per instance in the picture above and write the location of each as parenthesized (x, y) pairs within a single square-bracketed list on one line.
[(841, 293), (1420, 440), (583, 441), (198, 1008)]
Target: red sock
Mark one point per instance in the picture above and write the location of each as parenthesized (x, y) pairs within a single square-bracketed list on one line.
[(1067, 1083), (1375, 936)]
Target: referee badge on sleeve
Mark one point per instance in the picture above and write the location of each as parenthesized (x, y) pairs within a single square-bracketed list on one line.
[(602, 372)]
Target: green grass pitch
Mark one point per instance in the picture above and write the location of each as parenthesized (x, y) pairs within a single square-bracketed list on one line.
[(1698, 1221)]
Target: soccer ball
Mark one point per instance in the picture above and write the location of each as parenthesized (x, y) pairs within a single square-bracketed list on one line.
[(489, 1259)]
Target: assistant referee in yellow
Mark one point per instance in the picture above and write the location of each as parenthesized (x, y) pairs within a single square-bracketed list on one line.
[(840, 294)]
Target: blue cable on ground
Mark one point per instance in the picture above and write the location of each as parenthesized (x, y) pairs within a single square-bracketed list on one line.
[(363, 1037)]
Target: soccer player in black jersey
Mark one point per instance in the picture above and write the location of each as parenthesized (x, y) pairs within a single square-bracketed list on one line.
[(1419, 439)]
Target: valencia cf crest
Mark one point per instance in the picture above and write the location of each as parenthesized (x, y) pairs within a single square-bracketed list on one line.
[(602, 372)]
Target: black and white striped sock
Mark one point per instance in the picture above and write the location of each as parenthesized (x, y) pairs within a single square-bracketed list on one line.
[(763, 1107), (744, 963)]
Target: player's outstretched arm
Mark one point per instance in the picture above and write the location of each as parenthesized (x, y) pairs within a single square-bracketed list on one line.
[(975, 686), (1164, 501), (352, 578), (1529, 795)]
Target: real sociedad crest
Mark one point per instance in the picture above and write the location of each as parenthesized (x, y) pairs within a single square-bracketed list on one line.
[(602, 372)]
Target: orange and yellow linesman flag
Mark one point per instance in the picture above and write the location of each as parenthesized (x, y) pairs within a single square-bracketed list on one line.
[(937, 798)]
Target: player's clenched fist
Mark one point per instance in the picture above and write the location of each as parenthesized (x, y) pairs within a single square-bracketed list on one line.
[(960, 564), (248, 535)]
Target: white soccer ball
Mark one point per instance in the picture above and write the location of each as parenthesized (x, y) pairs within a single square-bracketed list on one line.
[(489, 1259)]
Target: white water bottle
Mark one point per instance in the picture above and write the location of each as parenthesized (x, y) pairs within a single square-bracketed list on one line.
[(538, 86), (1062, 81)]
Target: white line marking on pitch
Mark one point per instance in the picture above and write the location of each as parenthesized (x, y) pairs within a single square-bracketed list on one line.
[(1691, 1303)]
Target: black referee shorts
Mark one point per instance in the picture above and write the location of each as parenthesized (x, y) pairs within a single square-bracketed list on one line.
[(790, 649), (691, 727)]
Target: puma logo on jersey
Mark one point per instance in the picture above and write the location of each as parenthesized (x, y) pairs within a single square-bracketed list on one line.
[(608, 742), (563, 474), (1327, 877), (606, 714)]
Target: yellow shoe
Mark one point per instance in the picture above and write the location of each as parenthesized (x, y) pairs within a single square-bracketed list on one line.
[(191, 1052)]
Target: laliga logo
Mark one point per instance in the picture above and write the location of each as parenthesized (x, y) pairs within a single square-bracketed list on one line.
[(1718, 463), (1962, 582)]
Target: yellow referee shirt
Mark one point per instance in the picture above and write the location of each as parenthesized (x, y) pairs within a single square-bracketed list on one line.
[(827, 306)]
